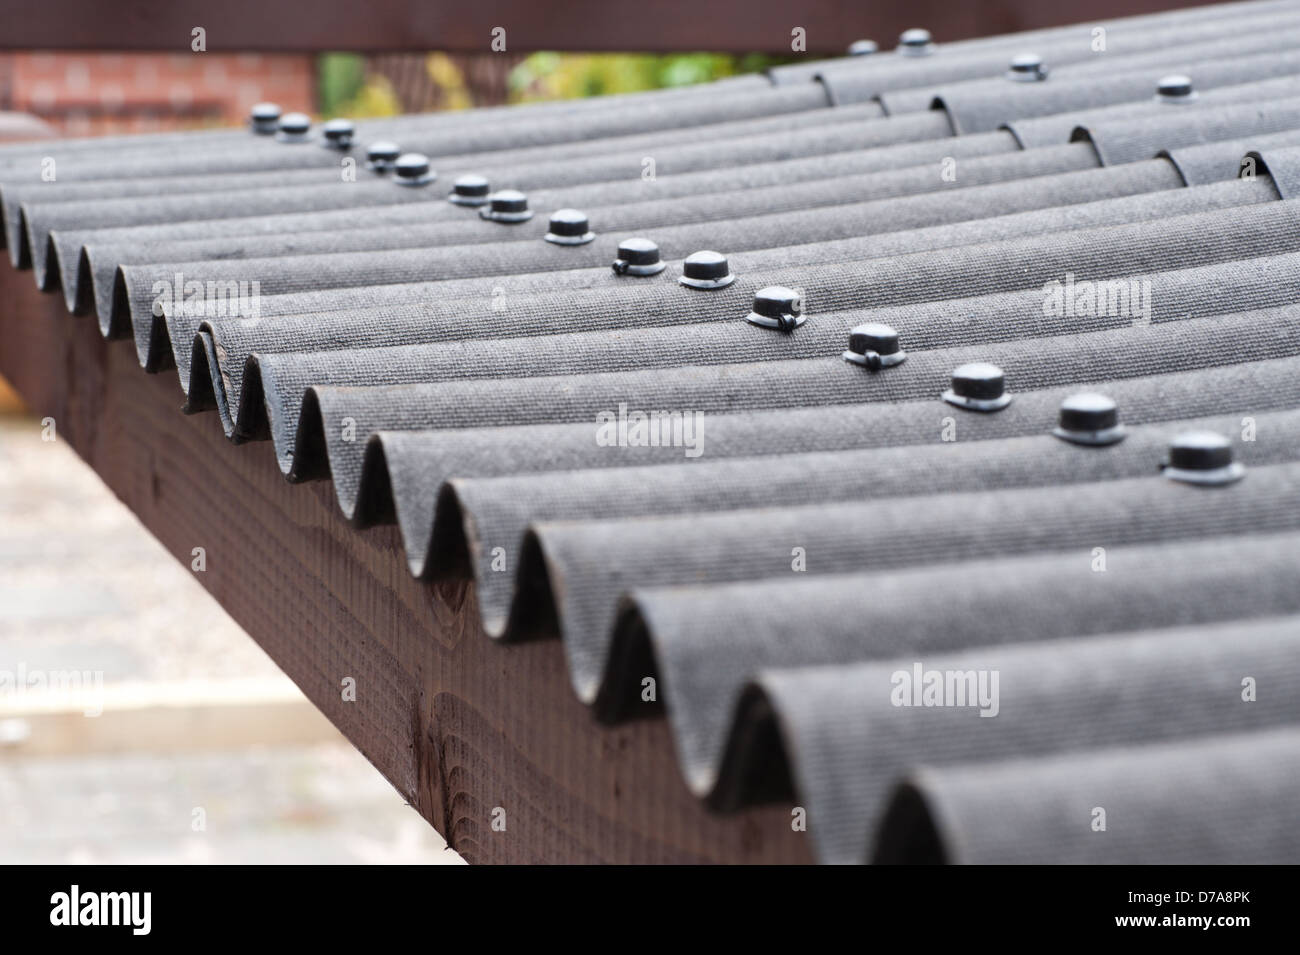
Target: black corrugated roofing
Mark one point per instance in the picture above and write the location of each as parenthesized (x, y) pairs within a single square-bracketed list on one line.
[(815, 533)]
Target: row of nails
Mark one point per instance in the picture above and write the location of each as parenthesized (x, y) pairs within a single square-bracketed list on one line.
[(266, 119), (1203, 458), (1087, 418), (510, 206)]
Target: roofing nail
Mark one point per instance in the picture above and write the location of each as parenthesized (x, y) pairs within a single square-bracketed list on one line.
[(338, 133), (569, 227), (294, 128), (1089, 418), (508, 205), (863, 47), (470, 190), (915, 42), (706, 270), (638, 257), (1202, 457), (1026, 68), (1175, 89), (978, 387), (264, 118), (777, 307), (412, 169), (874, 347), (382, 156)]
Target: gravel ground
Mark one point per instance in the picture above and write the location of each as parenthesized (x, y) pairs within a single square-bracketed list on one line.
[(83, 586), (317, 804)]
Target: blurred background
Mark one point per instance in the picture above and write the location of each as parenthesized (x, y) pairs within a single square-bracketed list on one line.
[(89, 94), (138, 722)]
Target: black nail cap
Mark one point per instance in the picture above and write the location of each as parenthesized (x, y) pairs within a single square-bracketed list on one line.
[(1202, 457), (264, 118), (294, 128), (412, 169), (569, 227), (863, 47), (382, 156), (470, 190), (915, 42), (706, 270), (1175, 89), (1089, 418), (874, 347), (978, 387), (638, 257), (508, 205), (777, 307), (1027, 68), (338, 133)]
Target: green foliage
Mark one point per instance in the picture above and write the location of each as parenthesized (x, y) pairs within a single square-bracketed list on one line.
[(545, 76), (344, 89), (340, 77)]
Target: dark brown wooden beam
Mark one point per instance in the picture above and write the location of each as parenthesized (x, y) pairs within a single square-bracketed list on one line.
[(457, 724), (738, 26)]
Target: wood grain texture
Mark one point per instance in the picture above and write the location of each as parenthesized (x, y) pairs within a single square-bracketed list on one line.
[(459, 725), (736, 26)]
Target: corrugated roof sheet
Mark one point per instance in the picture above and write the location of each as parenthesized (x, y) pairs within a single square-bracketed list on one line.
[(830, 532)]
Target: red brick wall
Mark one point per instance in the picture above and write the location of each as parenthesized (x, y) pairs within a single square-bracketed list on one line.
[(86, 94)]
